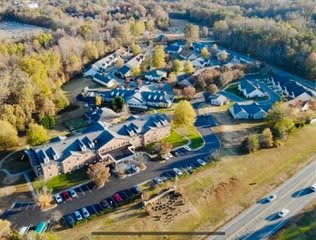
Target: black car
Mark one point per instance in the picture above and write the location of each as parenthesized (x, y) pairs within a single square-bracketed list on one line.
[(123, 195), (129, 193), (136, 190), (70, 220), (111, 202), (105, 204)]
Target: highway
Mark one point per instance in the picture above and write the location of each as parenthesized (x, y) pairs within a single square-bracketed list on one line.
[(261, 221)]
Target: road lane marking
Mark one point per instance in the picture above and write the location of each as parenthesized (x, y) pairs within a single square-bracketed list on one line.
[(306, 179)]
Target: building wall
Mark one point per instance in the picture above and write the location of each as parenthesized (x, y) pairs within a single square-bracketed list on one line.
[(155, 135), (50, 170), (77, 161)]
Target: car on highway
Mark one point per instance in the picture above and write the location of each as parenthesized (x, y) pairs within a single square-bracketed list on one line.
[(157, 180), (70, 220), (201, 162), (283, 213), (85, 213), (78, 215), (58, 198), (313, 187), (271, 197), (177, 171), (73, 193), (66, 196)]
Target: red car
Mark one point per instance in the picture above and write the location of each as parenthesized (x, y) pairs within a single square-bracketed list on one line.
[(117, 198), (66, 196)]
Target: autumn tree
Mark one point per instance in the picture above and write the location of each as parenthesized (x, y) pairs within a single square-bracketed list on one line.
[(8, 135), (99, 173), (223, 56), (164, 149), (159, 57), (172, 78), (188, 67), (150, 25), (177, 66), (37, 134), (44, 197), (191, 33), (136, 49), (136, 72), (188, 92), (119, 63), (5, 229), (266, 138), (184, 114), (205, 53), (98, 100), (213, 89), (251, 143), (137, 28)]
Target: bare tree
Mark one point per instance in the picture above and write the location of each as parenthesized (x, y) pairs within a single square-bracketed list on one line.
[(99, 173)]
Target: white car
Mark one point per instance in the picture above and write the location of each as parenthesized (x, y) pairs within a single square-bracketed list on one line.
[(201, 162), (271, 198), (73, 193), (158, 180), (78, 216), (313, 187), (177, 171), (187, 148), (58, 198), (85, 212), (283, 213)]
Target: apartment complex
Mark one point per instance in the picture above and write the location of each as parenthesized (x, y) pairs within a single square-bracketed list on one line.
[(97, 142)]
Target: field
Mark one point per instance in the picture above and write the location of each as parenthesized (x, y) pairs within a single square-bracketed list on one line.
[(68, 180), (218, 192), (302, 226)]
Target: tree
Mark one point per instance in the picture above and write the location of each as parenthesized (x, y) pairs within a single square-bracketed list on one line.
[(48, 121), (188, 67), (251, 143), (136, 49), (119, 63), (56, 216), (213, 89), (117, 103), (99, 173), (164, 149), (177, 66), (137, 28), (145, 65), (37, 134), (136, 71), (98, 100), (172, 78), (266, 138), (283, 127), (159, 57), (223, 56), (205, 53), (191, 33), (184, 114), (188, 92), (44, 197), (5, 229), (150, 25), (8, 135)]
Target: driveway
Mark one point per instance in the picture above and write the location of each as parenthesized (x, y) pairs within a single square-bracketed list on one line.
[(94, 196)]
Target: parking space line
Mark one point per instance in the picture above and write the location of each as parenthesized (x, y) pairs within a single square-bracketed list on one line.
[(95, 211), (82, 191)]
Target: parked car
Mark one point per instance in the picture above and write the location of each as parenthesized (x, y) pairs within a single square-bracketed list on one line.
[(313, 187), (271, 198), (117, 197), (58, 198), (129, 193), (66, 196), (135, 168), (177, 171), (187, 148), (23, 230), (78, 215), (136, 189), (189, 169), (111, 202), (283, 213), (201, 162), (85, 213), (70, 220), (104, 204), (73, 193), (157, 180), (41, 227)]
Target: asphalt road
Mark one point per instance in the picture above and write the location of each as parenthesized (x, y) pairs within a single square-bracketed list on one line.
[(32, 216), (261, 221)]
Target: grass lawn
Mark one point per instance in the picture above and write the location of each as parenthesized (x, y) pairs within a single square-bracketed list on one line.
[(68, 180), (15, 164), (302, 226), (218, 192), (77, 123), (193, 134), (234, 90)]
